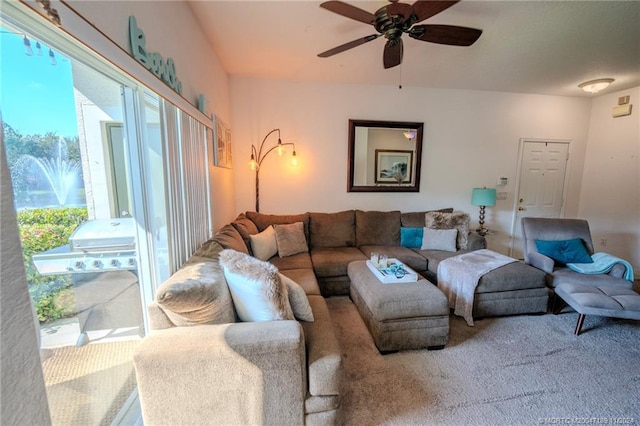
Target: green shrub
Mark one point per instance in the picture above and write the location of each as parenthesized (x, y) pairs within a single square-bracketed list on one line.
[(39, 238), (67, 216), (53, 299), (41, 230)]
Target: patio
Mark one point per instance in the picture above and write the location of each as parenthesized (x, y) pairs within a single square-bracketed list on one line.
[(86, 359)]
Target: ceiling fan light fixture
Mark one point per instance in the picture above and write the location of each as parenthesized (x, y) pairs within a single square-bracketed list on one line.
[(594, 86), (409, 134)]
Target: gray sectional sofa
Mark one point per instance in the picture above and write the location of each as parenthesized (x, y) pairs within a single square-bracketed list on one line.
[(200, 365)]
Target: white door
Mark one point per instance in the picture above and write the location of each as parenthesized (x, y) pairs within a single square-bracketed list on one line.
[(540, 193)]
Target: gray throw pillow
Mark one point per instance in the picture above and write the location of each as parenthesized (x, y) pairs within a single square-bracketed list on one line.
[(298, 300), (439, 239), (290, 239)]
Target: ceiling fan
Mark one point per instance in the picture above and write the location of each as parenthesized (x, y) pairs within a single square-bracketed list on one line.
[(396, 18)]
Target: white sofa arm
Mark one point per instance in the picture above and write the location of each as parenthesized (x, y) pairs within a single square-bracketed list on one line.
[(239, 373)]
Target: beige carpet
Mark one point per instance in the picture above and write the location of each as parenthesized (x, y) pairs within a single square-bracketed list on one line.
[(88, 385), (504, 371)]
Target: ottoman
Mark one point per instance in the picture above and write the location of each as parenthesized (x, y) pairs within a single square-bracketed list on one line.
[(400, 316), (606, 301)]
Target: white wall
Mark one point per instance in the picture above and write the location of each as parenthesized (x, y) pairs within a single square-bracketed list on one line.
[(470, 139), (610, 195)]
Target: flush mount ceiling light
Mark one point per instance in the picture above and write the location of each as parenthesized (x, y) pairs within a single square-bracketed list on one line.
[(594, 86)]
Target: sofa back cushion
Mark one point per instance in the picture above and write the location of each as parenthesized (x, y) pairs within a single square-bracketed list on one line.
[(416, 219), (229, 237), (245, 228), (377, 228), (328, 230), (197, 293), (262, 221)]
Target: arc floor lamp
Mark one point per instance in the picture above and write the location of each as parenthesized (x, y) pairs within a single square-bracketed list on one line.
[(258, 156)]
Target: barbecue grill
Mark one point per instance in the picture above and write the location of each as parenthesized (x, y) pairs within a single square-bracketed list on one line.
[(97, 245)]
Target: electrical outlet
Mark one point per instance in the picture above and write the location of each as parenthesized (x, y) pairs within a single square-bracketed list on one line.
[(603, 241), (501, 195)]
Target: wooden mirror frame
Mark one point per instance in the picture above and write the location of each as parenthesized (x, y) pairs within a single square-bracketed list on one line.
[(353, 124)]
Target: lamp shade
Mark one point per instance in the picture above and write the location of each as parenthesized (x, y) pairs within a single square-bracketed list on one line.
[(483, 197)]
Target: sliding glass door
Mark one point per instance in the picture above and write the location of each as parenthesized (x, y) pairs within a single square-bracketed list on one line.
[(111, 184), (75, 144)]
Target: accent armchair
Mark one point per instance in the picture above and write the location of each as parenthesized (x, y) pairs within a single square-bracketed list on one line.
[(534, 228)]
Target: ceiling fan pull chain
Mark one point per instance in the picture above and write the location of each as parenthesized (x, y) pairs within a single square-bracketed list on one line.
[(400, 85)]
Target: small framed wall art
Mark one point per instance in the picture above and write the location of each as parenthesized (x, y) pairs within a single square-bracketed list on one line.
[(393, 166), (221, 144)]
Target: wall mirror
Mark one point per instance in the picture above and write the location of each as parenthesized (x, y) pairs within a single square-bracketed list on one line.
[(384, 156)]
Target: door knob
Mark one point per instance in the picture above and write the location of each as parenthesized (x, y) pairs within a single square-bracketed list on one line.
[(521, 200), (521, 209)]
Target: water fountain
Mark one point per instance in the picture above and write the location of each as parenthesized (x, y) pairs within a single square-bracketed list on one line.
[(61, 173)]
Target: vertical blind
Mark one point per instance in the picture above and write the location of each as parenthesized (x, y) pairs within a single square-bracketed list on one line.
[(186, 144)]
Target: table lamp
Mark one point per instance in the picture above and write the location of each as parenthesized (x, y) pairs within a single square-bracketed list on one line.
[(483, 197)]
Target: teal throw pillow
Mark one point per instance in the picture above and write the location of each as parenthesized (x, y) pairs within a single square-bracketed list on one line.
[(564, 251), (411, 237)]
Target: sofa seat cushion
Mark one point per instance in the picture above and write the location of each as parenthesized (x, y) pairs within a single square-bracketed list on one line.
[(324, 360), (197, 293), (434, 257), (305, 279), (377, 228), (332, 229), (566, 275), (403, 254), (510, 277), (296, 261), (333, 262)]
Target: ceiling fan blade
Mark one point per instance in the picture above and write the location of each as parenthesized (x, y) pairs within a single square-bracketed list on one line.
[(349, 11), (349, 45), (445, 34), (392, 55), (423, 9)]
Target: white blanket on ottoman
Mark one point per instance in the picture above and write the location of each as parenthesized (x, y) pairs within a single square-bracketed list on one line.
[(458, 278)]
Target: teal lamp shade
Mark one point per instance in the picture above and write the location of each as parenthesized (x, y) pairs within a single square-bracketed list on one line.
[(483, 197)]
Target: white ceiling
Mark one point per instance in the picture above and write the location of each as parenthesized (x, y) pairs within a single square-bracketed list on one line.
[(543, 47)]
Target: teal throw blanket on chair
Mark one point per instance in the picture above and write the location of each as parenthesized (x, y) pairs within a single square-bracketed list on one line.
[(602, 263)]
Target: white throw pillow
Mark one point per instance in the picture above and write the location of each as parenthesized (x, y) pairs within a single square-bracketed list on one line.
[(263, 245), (439, 239), (298, 300), (257, 291)]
